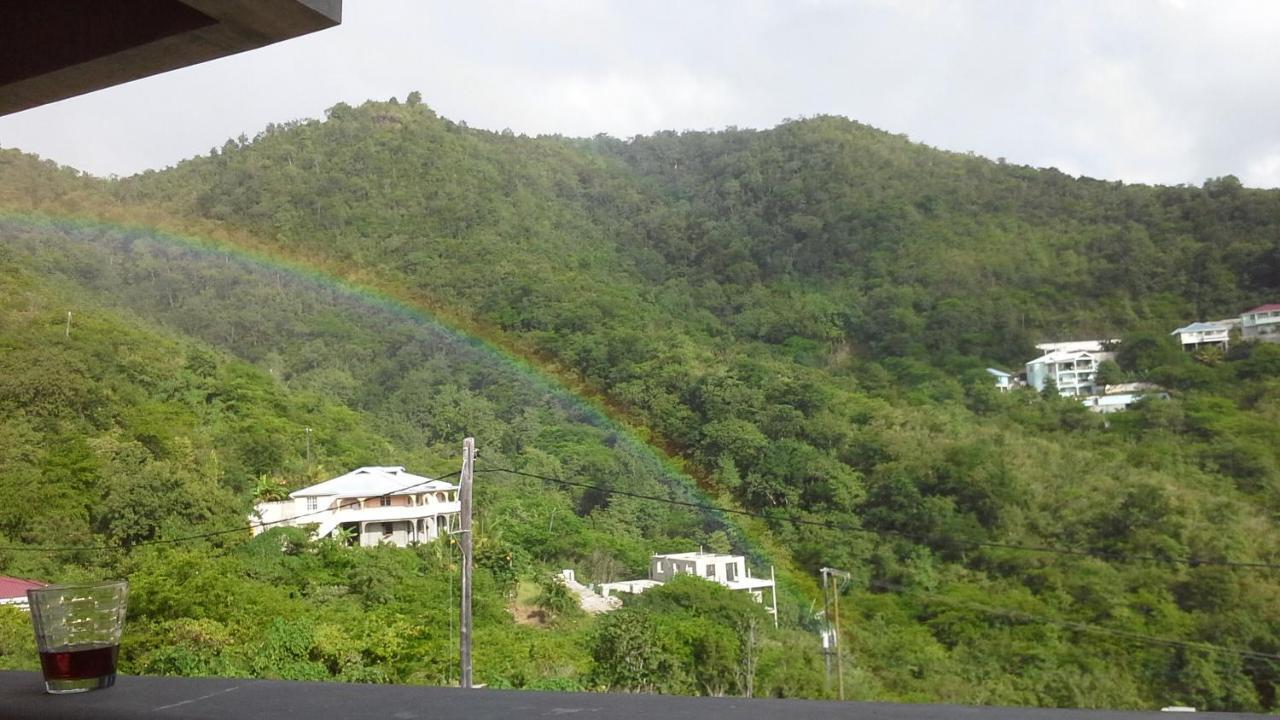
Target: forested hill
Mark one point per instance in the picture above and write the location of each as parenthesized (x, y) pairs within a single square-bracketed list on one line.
[(802, 315), (847, 231)]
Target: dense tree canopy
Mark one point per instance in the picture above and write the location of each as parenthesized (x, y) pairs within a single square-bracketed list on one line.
[(799, 316)]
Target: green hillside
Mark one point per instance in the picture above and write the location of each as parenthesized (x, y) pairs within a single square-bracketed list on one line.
[(802, 315)]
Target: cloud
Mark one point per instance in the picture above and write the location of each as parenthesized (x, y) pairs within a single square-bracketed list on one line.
[(1167, 92), (630, 103)]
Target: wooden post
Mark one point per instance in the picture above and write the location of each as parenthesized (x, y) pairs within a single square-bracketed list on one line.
[(464, 542), (834, 627), (827, 642), (839, 653)]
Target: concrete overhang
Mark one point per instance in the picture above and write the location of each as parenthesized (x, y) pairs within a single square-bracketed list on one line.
[(56, 49)]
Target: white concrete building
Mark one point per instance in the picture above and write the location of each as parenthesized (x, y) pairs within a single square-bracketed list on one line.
[(375, 504), (1213, 333), (1115, 402), (728, 570), (1261, 323), (1003, 380), (1094, 346), (1072, 366)]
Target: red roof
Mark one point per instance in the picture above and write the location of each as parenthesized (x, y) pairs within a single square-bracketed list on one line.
[(12, 587), (1263, 308)]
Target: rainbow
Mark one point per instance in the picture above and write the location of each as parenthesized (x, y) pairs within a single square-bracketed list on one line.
[(579, 405)]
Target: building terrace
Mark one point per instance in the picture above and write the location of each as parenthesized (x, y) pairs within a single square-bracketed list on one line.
[(374, 504)]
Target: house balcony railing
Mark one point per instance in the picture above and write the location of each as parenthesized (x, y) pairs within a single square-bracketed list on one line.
[(289, 513), (389, 513)]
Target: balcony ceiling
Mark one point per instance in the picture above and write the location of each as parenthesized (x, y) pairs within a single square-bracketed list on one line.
[(56, 49)]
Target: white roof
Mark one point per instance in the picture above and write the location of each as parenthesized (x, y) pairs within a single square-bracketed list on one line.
[(1120, 399), (1132, 387), (372, 482), (748, 583), (699, 556), (998, 373), (1061, 356), (1205, 326), (1075, 346), (643, 585)]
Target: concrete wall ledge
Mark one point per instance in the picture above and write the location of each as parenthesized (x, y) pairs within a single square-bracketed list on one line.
[(22, 696)]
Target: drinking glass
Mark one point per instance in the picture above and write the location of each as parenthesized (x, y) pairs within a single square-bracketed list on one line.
[(78, 633)]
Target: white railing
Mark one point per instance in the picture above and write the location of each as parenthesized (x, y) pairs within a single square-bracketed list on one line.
[(377, 513)]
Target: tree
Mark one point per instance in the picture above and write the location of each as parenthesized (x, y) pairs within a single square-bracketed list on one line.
[(1109, 373), (557, 601), (629, 653)]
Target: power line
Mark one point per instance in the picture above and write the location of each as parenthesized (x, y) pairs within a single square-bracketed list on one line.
[(829, 525), (204, 535), (1005, 612)]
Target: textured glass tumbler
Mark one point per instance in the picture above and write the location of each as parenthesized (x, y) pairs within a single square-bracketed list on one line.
[(78, 633)]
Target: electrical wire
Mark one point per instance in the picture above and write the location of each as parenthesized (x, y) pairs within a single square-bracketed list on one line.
[(204, 535), (1005, 612), (934, 539)]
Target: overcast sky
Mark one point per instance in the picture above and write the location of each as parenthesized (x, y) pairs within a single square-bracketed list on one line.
[(1167, 91)]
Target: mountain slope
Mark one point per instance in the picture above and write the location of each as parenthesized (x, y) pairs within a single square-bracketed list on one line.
[(803, 314)]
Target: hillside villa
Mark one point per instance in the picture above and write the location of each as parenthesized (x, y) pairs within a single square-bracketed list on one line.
[(728, 570), (1213, 333), (1261, 323), (373, 505), (1072, 366)]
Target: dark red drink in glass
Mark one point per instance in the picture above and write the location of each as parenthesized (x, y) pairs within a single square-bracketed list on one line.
[(78, 634), (80, 662)]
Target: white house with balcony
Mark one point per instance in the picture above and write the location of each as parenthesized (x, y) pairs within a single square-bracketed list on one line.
[(728, 570), (1261, 323), (373, 505), (1072, 366), (1213, 333)]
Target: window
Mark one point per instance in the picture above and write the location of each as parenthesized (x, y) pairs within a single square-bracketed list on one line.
[(384, 501), (711, 571), (731, 572), (312, 503)]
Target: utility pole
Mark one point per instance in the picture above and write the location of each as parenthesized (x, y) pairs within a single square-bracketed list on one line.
[(308, 450), (773, 579), (834, 629), (464, 498), (827, 645)]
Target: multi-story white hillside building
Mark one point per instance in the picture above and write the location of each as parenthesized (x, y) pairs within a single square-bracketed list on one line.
[(1072, 366), (1261, 323), (1214, 333), (373, 504), (728, 570)]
